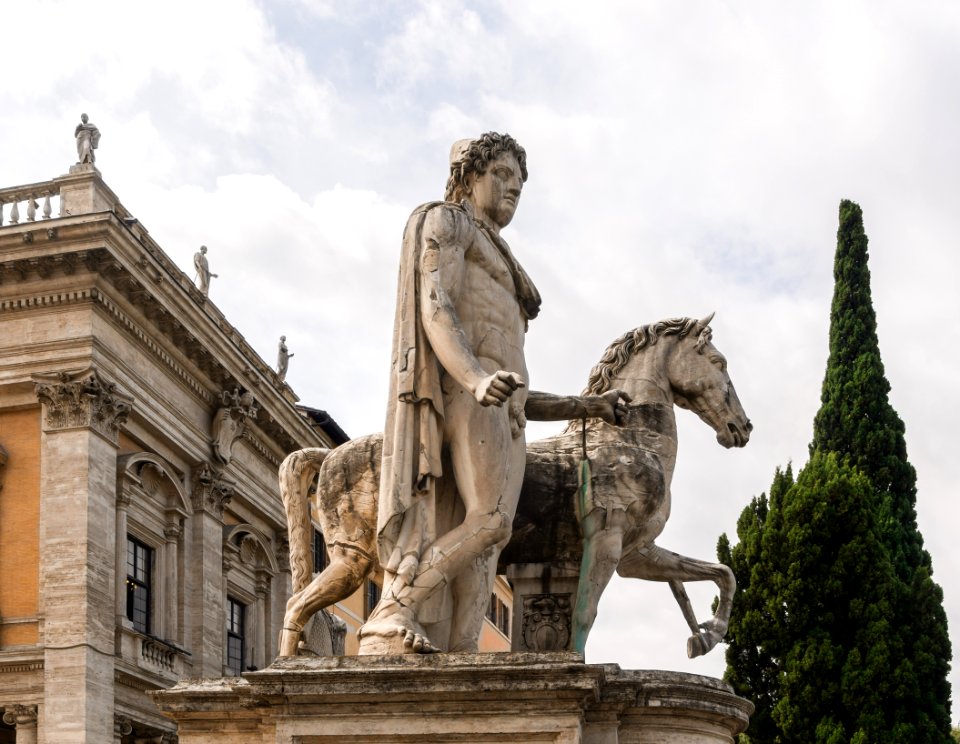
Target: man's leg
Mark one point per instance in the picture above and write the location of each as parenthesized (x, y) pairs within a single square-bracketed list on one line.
[(488, 468)]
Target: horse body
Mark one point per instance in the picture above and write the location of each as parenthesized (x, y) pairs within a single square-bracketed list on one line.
[(612, 510)]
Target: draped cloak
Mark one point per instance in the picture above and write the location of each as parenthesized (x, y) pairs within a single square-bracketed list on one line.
[(413, 435)]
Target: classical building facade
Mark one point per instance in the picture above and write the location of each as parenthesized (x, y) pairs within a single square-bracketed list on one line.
[(142, 536)]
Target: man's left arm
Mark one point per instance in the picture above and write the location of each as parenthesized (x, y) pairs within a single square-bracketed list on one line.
[(611, 406)]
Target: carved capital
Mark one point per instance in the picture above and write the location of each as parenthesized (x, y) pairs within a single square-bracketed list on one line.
[(24, 716), (122, 725), (172, 532), (74, 400), (211, 491), (230, 421), (546, 622)]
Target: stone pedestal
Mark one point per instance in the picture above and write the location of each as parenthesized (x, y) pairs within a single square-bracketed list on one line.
[(548, 697)]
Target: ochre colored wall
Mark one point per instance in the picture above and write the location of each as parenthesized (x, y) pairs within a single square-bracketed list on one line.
[(20, 526)]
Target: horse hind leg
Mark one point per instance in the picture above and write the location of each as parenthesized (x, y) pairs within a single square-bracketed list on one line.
[(347, 570), (602, 547), (656, 564)]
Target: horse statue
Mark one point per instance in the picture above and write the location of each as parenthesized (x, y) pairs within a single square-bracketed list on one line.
[(612, 482)]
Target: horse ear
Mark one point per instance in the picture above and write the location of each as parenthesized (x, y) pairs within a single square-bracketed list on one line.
[(704, 322)]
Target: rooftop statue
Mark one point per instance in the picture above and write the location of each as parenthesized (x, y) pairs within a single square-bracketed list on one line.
[(283, 359), (88, 139), (202, 266)]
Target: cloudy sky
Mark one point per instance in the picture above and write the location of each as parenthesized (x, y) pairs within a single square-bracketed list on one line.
[(684, 158)]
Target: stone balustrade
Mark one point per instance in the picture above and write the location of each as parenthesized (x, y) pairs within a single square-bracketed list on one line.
[(30, 203)]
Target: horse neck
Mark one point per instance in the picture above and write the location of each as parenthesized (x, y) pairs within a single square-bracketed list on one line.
[(644, 377), (651, 421)]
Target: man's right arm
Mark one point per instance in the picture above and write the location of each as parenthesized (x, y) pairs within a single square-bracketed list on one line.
[(446, 234)]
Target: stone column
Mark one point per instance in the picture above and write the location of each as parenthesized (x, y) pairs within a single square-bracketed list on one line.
[(120, 554), (171, 579), (82, 414), (24, 718), (262, 588), (211, 492)]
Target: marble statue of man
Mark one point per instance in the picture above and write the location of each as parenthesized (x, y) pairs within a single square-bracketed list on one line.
[(202, 266), (88, 139), (454, 450), (283, 359)]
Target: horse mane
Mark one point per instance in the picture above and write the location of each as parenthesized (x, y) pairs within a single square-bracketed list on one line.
[(618, 353)]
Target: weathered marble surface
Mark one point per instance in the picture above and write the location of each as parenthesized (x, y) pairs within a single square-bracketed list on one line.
[(455, 698), (571, 519)]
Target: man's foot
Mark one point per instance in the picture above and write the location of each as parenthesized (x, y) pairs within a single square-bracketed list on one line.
[(394, 632)]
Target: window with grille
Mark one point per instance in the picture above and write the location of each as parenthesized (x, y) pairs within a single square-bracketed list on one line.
[(235, 616), (139, 583)]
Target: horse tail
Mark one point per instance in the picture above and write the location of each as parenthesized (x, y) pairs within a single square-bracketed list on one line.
[(297, 472)]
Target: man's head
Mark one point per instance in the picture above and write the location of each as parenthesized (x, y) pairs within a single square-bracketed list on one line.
[(203, 249), (84, 118), (474, 157), (489, 172)]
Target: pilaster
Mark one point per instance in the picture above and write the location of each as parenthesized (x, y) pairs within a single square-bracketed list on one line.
[(82, 414), (211, 492)]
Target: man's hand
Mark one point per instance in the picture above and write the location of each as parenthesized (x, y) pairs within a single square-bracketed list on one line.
[(497, 388), (611, 406)]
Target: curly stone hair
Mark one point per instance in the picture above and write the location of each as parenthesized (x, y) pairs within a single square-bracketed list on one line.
[(477, 157)]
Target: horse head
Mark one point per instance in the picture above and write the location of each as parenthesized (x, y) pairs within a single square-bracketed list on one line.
[(700, 383)]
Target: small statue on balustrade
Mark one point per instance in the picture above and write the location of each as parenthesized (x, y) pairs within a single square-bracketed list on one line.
[(88, 139)]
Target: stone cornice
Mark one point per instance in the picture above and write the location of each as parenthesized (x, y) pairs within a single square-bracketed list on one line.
[(135, 277)]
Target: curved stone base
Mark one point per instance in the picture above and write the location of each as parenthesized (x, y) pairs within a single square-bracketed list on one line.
[(552, 697)]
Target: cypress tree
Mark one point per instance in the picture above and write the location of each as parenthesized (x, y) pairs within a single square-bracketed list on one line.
[(857, 421), (838, 632)]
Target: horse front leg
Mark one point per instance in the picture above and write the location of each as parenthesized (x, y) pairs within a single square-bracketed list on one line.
[(656, 564), (602, 546)]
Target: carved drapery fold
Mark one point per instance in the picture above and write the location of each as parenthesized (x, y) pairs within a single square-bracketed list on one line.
[(211, 490), (82, 399)]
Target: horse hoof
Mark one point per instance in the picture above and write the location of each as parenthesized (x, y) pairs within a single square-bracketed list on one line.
[(696, 646)]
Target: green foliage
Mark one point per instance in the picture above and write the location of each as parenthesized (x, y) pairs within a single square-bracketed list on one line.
[(838, 632)]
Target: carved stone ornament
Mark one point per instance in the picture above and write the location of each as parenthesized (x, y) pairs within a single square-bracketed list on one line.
[(211, 491), (546, 621), (20, 715), (282, 550), (82, 399), (122, 725), (230, 420)]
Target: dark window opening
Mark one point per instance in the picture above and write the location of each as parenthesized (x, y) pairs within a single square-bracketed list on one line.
[(373, 596), (235, 644), (139, 560), (319, 551)]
